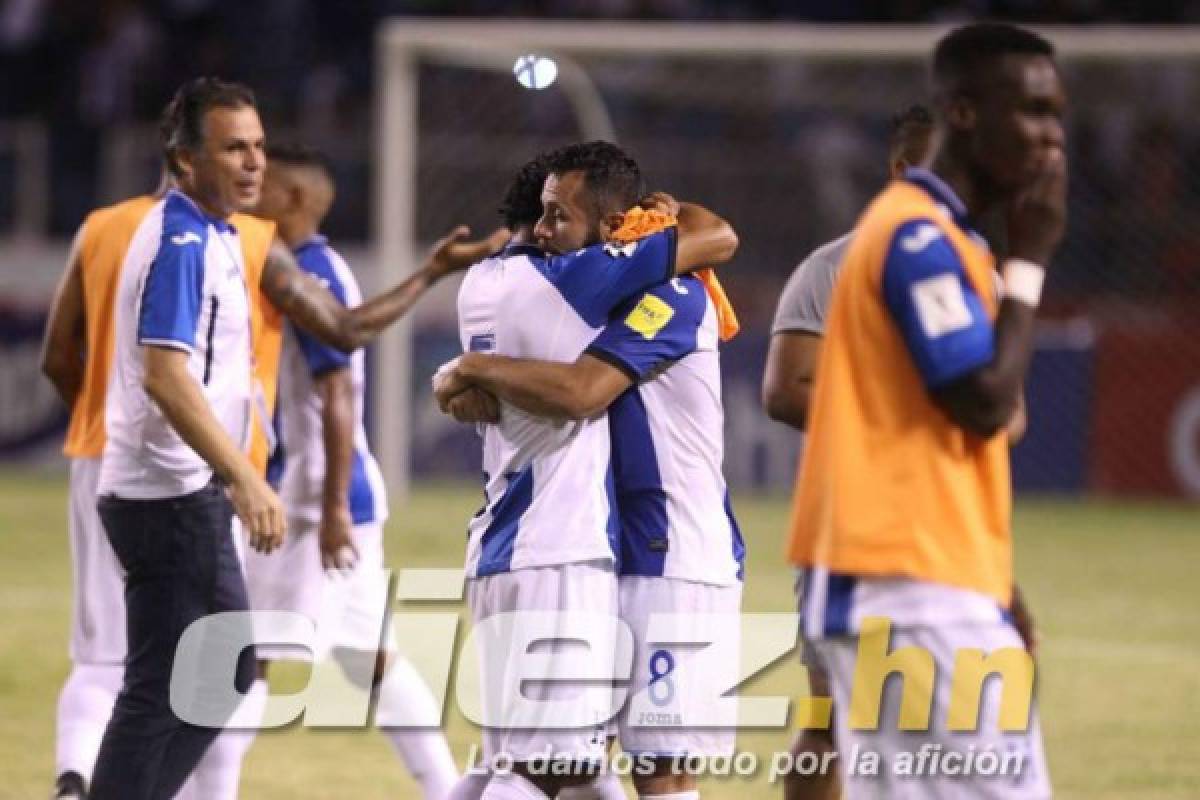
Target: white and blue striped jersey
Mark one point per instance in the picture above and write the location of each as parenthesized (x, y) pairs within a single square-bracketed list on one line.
[(668, 438), (548, 483), (298, 464), (182, 286)]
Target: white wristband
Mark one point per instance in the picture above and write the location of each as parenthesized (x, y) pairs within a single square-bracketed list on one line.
[(1023, 281)]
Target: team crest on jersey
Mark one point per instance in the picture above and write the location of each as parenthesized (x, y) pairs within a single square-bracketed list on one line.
[(650, 316)]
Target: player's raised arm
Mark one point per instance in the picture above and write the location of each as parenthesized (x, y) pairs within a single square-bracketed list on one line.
[(303, 300), (705, 240), (987, 399), (65, 339)]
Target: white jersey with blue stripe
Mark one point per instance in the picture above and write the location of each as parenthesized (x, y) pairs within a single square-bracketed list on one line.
[(548, 483), (299, 460), (183, 287), (668, 438)]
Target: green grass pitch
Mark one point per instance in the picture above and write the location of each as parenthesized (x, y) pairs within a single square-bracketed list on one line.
[(1116, 587)]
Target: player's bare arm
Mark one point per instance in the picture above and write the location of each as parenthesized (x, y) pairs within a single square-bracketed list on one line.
[(984, 401), (579, 390), (335, 390), (303, 300), (65, 340), (169, 384), (788, 376), (705, 239)]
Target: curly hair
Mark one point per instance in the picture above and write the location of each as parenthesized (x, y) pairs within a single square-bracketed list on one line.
[(612, 178), (522, 203)]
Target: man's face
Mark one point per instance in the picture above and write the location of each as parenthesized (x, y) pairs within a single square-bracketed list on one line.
[(1018, 122), (569, 221), (227, 168)]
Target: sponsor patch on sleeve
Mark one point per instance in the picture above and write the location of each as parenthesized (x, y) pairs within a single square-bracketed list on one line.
[(650, 316)]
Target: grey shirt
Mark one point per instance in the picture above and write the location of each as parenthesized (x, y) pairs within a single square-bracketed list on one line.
[(805, 298)]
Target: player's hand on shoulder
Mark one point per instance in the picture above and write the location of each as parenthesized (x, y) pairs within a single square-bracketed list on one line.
[(474, 405), (1037, 217), (335, 538), (660, 201), (260, 510), (454, 251)]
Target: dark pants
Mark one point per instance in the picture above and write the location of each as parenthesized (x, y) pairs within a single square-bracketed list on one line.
[(180, 565)]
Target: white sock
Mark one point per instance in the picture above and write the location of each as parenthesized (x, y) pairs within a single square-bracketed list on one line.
[(424, 751), (511, 786), (694, 794), (216, 776), (469, 787), (84, 706), (606, 787)]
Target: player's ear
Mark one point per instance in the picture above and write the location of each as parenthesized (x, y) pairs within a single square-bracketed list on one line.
[(295, 196), (611, 223), (182, 157), (960, 112)]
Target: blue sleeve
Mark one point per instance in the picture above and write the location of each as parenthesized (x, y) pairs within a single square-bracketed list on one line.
[(654, 330), (318, 356), (173, 293), (940, 315), (597, 279)]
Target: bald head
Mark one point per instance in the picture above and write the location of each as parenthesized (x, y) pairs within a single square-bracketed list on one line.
[(297, 193)]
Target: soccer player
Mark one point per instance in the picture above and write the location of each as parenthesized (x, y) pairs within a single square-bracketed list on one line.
[(546, 539), (903, 501), (655, 368), (331, 566), (787, 383)]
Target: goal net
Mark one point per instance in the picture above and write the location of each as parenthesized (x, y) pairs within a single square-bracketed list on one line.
[(783, 129)]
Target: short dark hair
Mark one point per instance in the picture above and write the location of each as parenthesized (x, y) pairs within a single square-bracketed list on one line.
[(611, 176), (294, 154), (523, 201), (182, 123), (911, 129), (961, 53)]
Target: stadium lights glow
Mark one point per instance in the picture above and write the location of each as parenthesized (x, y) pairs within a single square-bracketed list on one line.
[(535, 72)]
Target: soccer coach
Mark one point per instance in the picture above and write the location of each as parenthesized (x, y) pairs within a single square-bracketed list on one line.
[(178, 416)]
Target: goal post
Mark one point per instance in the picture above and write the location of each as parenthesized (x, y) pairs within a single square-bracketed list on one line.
[(781, 125)]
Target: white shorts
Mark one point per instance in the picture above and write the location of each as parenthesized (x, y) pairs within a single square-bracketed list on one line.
[(349, 610), (1019, 755), (98, 601), (584, 592), (673, 707)]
